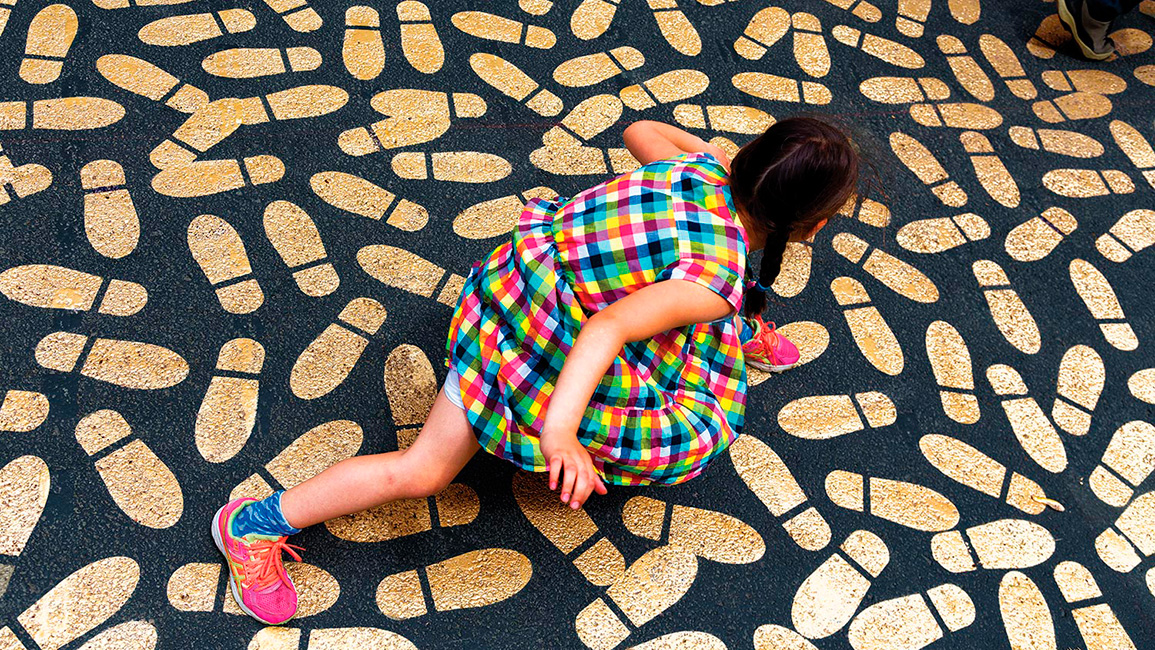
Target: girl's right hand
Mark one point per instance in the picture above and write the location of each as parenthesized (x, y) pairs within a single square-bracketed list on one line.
[(570, 468)]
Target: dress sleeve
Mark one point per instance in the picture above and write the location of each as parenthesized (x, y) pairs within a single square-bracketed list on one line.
[(709, 272)]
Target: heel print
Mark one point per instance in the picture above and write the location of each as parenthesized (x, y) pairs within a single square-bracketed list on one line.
[(675, 28), (1087, 183), (499, 28), (565, 151), (1035, 238), (905, 504), (990, 170), (811, 339), (1098, 625), (1081, 379), (194, 28), (496, 217), (123, 363), (207, 177), (776, 637), (50, 36), (911, 18), (1034, 431), (456, 166), (330, 357), (958, 115), (1101, 301), (396, 267), (1097, 82), (810, 51), (827, 599), (413, 117), (965, 11), (966, 70), (1064, 143), (419, 40), (1142, 385), (1002, 544), (308, 455), (707, 534), (592, 69), (1072, 106), (868, 211), (938, 234), (460, 582), (729, 118), (139, 483), (110, 220), (1136, 147), (666, 88), (293, 104), (1127, 461), (974, 469), (860, 8), (1025, 613), (142, 78), (1132, 233), (5, 13), (880, 48), (771, 481), (592, 18), (363, 51), (871, 334), (781, 89), (765, 28), (795, 273), (228, 411), (194, 587), (297, 14), (1007, 309), (922, 163), (512, 82), (57, 287), (361, 197), (904, 90), (907, 623), (295, 237), (219, 251), (841, 417), (24, 180), (203, 130), (1006, 64), (950, 361), (253, 62), (288, 638), (22, 411), (898, 276), (25, 483)]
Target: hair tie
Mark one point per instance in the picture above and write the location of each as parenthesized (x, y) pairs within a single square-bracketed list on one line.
[(752, 284)]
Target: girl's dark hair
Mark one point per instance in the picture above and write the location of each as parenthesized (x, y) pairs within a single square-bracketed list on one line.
[(797, 173)]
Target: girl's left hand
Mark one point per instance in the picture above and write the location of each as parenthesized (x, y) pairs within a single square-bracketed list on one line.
[(570, 468)]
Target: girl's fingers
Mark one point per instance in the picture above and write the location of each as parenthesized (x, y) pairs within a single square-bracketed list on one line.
[(581, 490), (554, 470), (600, 486), (571, 471)]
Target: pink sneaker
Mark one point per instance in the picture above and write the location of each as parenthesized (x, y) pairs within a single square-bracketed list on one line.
[(768, 350), (260, 584)]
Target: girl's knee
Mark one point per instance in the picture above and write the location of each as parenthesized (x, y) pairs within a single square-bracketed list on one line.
[(423, 478)]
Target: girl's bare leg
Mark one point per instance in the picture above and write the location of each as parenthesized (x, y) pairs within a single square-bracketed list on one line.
[(444, 446)]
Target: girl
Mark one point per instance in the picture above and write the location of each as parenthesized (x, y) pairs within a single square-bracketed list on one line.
[(600, 344)]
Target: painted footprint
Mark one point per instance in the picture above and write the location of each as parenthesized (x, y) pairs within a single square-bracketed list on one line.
[(1015, 323), (1132, 233), (650, 586), (666, 88), (57, 287), (1136, 147), (564, 149), (966, 12), (1098, 625), (293, 234), (412, 117), (1065, 143), (203, 130), (827, 599), (142, 78), (453, 166), (776, 637), (508, 79), (461, 582), (228, 411), (1071, 107), (678, 31), (911, 17), (219, 251), (957, 115), (173, 31), (923, 164), (866, 210), (535, 7), (21, 181), (293, 104), (774, 485), (591, 69), (297, 14), (60, 114), (592, 18), (1007, 66), (997, 545), (139, 483), (883, 49), (989, 169), (79, 604), (1036, 237), (898, 276), (781, 89), (810, 51), (1097, 82), (939, 234), (764, 29), (904, 90), (110, 220), (128, 364), (308, 455), (194, 587), (419, 40), (676, 640), (950, 361), (907, 623), (725, 117), (339, 638), (497, 217), (22, 411), (505, 30), (905, 504), (840, 416), (24, 486), (1142, 385), (1081, 379), (208, 177), (50, 36), (871, 334), (1026, 615), (811, 339), (795, 272), (966, 70), (1035, 433), (1087, 183), (974, 469), (5, 13), (397, 267), (1100, 299), (254, 62), (325, 363), (363, 51), (707, 534), (358, 196), (1127, 461), (860, 8)]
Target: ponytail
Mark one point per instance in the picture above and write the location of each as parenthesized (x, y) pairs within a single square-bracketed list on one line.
[(755, 301)]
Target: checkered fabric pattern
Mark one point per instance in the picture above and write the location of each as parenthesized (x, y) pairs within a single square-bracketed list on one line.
[(667, 405)]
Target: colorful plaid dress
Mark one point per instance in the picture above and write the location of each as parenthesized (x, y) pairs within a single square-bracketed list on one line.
[(667, 405)]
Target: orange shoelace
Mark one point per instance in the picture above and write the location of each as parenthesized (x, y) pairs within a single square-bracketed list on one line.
[(264, 562), (766, 336)]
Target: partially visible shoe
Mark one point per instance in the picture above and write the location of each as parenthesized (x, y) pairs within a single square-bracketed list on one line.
[(767, 350), (257, 577), (1089, 34)]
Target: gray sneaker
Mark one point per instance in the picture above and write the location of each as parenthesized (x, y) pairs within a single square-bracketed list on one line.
[(1090, 34)]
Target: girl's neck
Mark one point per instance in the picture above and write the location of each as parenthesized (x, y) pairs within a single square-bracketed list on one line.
[(755, 238)]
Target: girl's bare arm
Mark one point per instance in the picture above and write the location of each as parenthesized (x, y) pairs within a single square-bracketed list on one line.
[(649, 141)]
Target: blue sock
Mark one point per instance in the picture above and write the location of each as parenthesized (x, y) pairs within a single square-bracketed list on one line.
[(263, 518), (747, 332)]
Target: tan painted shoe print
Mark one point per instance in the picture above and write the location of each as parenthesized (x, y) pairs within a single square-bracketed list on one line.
[(908, 623), (1007, 66), (1057, 141), (23, 410), (956, 115), (678, 31), (591, 69), (828, 416), (873, 336), (904, 90), (129, 364), (1132, 233), (1015, 323), (775, 486), (420, 42), (57, 287), (974, 469), (926, 167), (17, 182), (325, 363), (860, 8), (966, 70), (1098, 625), (24, 485), (1128, 460), (898, 276), (794, 274), (512, 82), (866, 210), (828, 598), (1035, 433), (50, 36), (412, 117), (228, 411), (110, 219), (467, 580), (142, 78), (358, 196), (208, 177), (1142, 385), (591, 18), (993, 175), (399, 268), (204, 129), (809, 337), (297, 14), (903, 503), (666, 88), (60, 114), (1002, 544), (1036, 237), (884, 49), (1100, 299), (1131, 537), (764, 29), (1136, 147), (499, 28), (911, 17), (1025, 613), (306, 456), (293, 104), (220, 253), (708, 534), (728, 118), (565, 151), (496, 217), (1098, 82), (781, 89), (454, 166), (201, 587), (1087, 183), (253, 62), (1072, 106), (776, 637), (1080, 383), (187, 29), (939, 234), (363, 51), (338, 638), (950, 361), (294, 235), (810, 51)]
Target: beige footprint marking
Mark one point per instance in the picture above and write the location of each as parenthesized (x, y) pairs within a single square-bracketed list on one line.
[(781, 89), (1072, 106), (1007, 66), (592, 18), (142, 78), (1036, 237), (907, 623), (129, 364), (878, 47), (455, 166), (22, 410), (1132, 537), (293, 104), (650, 586), (288, 638), (1081, 379), (363, 51), (219, 251), (79, 604), (358, 196), (904, 90), (974, 469), (297, 14), (139, 483), (564, 150), (676, 640), (871, 334), (497, 217), (17, 182), (419, 40), (194, 587), (124, 4), (911, 17), (795, 272), (204, 129), (461, 582), (412, 117), (24, 484), (207, 177), (708, 534), (905, 504), (1026, 616), (990, 170), (5, 12), (772, 482), (898, 276), (58, 287), (675, 27), (1066, 143), (950, 361), (1015, 323), (923, 164), (399, 268), (1098, 82), (1001, 544), (1127, 461), (194, 28), (571, 531), (591, 69), (811, 339), (966, 70), (860, 8), (727, 117), (957, 115), (666, 88), (1035, 433), (535, 7), (1101, 301), (499, 28), (827, 599), (1142, 385), (1098, 625), (868, 211), (765, 28), (50, 36), (228, 411), (938, 234), (1136, 147), (1132, 233), (512, 82), (61, 114), (110, 220), (329, 358), (810, 51), (966, 12), (821, 417), (1146, 74), (253, 62), (295, 237), (308, 455), (776, 637)]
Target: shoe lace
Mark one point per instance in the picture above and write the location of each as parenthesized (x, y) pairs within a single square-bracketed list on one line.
[(766, 336), (263, 567)]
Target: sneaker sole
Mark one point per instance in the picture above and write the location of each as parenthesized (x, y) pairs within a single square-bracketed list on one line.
[(232, 582), (1068, 21), (765, 367)]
